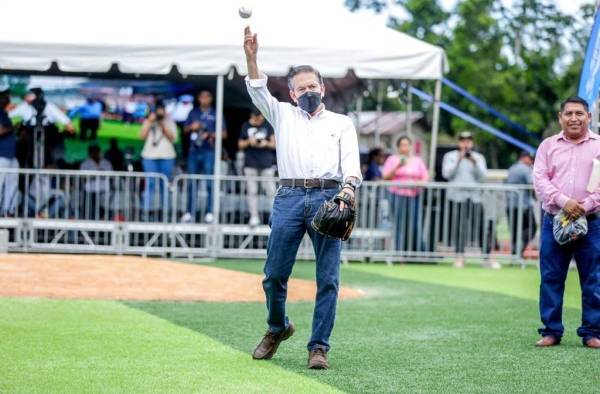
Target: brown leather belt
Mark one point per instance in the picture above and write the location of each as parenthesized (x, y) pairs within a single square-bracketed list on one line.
[(310, 183)]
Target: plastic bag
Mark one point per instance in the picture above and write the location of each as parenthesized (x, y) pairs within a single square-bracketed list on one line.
[(566, 230)]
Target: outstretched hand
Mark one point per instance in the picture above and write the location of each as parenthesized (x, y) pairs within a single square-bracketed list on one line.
[(250, 43)]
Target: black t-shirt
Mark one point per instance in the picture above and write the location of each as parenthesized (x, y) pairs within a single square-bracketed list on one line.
[(258, 157)]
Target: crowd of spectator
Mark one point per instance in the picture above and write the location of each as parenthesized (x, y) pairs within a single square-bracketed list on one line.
[(183, 132)]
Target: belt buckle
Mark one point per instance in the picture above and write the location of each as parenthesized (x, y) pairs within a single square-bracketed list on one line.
[(306, 186)]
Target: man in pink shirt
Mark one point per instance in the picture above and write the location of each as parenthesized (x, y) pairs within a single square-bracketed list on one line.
[(561, 172)]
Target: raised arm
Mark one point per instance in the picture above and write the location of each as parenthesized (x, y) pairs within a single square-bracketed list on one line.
[(256, 82), (251, 50)]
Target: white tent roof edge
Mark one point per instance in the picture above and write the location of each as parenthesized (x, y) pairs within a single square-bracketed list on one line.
[(152, 38)]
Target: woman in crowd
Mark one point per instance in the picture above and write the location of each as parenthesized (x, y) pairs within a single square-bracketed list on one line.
[(406, 200), (158, 155)]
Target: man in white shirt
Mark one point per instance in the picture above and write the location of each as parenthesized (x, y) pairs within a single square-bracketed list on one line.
[(50, 116), (317, 153)]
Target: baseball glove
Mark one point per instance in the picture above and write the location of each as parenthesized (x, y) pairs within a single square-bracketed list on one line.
[(333, 221)]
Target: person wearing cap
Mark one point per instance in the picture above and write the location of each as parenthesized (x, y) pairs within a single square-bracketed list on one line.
[(50, 115), (8, 152), (562, 168), (257, 140), (464, 166), (521, 173)]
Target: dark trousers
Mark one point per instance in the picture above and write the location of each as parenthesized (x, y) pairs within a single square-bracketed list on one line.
[(200, 162), (528, 228), (408, 227), (185, 142), (88, 124), (467, 226), (293, 210), (93, 207), (554, 265)]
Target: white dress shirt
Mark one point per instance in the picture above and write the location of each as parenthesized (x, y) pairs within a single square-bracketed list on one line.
[(323, 146), (52, 114)]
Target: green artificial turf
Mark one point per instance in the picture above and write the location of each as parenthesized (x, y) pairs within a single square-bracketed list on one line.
[(420, 328), (412, 336), (105, 347)]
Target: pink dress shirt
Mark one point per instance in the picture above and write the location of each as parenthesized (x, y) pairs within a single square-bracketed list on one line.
[(562, 170), (414, 170)]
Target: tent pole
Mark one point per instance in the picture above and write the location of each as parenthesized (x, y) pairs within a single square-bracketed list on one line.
[(435, 127), (216, 190), (409, 111), (359, 108), (379, 112)]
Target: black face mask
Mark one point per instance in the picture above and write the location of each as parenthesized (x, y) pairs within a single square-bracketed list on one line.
[(310, 101)]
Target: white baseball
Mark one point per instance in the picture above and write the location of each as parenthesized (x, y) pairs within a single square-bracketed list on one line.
[(245, 12)]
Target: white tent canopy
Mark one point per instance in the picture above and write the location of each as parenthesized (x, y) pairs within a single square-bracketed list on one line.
[(205, 38)]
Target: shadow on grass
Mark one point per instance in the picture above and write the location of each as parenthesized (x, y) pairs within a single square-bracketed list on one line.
[(408, 336)]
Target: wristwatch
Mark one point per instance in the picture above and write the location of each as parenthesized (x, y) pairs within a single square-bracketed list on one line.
[(351, 182)]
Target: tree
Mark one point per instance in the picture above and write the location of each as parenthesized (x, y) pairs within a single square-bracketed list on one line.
[(522, 60)]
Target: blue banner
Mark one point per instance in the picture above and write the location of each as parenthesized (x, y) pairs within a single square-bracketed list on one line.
[(589, 82)]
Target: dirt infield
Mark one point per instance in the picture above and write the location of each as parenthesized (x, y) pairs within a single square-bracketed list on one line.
[(135, 278)]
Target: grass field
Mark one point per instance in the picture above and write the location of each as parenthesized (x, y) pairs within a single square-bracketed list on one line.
[(419, 329)]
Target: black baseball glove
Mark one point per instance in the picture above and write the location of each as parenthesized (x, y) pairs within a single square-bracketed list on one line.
[(333, 221)]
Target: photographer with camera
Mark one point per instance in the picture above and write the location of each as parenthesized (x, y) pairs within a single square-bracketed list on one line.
[(39, 117), (466, 218), (158, 155), (200, 127), (257, 140)]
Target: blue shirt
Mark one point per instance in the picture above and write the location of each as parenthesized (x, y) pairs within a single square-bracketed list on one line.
[(8, 141), (89, 110), (373, 172), (209, 120)]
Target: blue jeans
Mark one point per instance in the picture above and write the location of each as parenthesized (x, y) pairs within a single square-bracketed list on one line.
[(161, 166), (408, 223), (554, 265), (9, 183), (293, 210), (200, 162)]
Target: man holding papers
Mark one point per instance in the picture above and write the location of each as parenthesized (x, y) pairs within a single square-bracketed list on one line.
[(561, 174)]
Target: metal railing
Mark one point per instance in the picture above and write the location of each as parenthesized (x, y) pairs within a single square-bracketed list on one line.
[(204, 216)]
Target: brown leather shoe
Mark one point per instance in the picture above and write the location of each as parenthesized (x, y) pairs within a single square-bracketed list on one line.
[(317, 359), (547, 341), (267, 347), (594, 343)]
